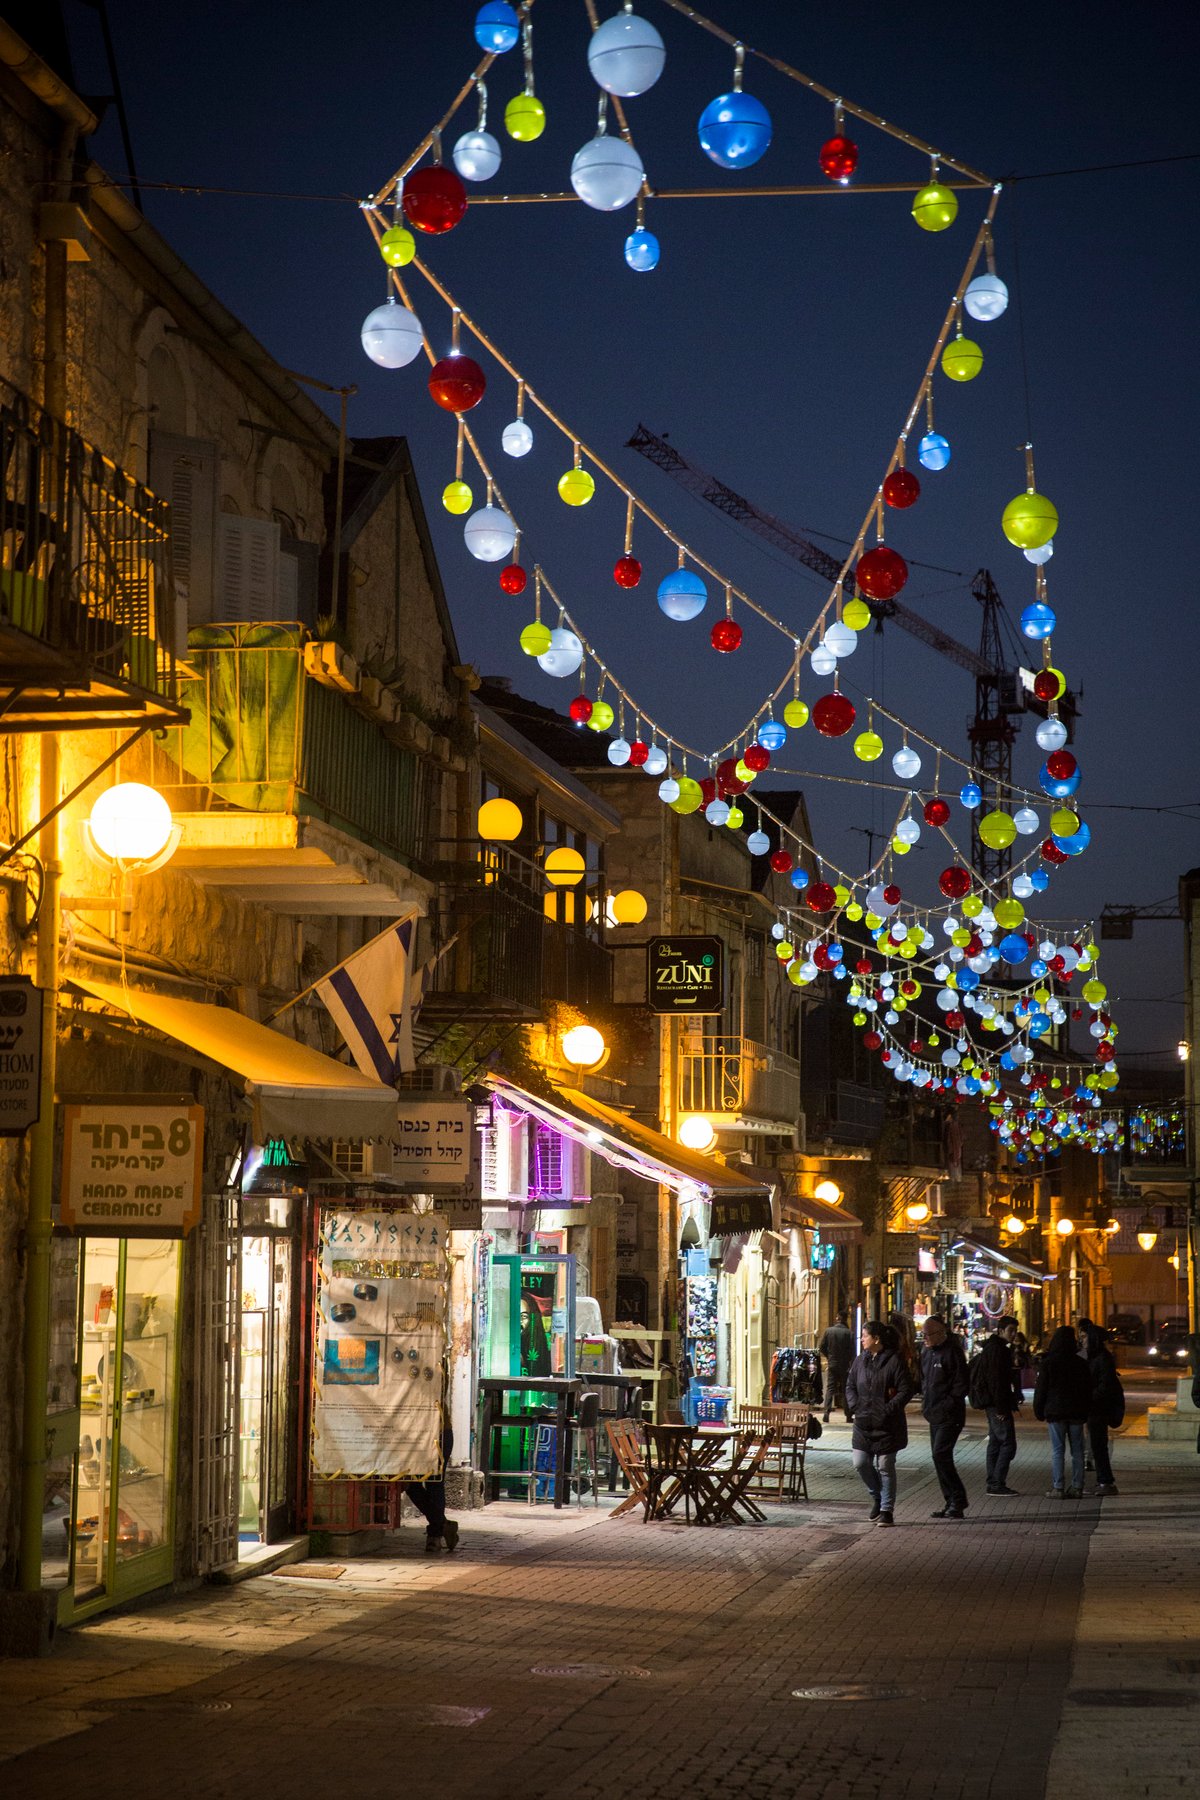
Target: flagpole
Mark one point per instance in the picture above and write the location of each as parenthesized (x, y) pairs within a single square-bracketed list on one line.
[(314, 985)]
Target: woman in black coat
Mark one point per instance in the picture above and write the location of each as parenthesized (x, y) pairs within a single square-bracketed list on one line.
[(1063, 1399), (878, 1388), (1108, 1400)]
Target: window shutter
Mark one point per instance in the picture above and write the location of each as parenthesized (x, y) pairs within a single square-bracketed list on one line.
[(183, 471), (248, 570), (298, 566)]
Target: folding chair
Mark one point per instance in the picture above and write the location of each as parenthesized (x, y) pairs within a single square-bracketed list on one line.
[(625, 1436)]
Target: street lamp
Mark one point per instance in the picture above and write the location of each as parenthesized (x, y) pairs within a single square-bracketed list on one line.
[(829, 1191), (583, 1047), (131, 828), (1183, 1049), (1065, 1227), (1012, 1225), (696, 1132), (917, 1211), (1147, 1233)]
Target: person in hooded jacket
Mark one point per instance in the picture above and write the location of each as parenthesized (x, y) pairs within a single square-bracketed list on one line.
[(878, 1388), (943, 1401), (1108, 1401), (1063, 1399)]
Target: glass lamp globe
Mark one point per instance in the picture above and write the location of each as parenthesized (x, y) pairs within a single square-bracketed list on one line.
[(607, 173), (841, 640), (476, 156), (516, 439), (392, 336), (642, 250), (656, 760), (564, 655), (1051, 734), (131, 823), (682, 595), (618, 752), (758, 843), (497, 27), (489, 534), (626, 56), (822, 661), (906, 762), (735, 130), (986, 298)]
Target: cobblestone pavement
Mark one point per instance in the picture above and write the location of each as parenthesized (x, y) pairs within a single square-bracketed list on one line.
[(576, 1655)]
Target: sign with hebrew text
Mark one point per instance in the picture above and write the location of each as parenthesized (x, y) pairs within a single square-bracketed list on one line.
[(433, 1146), (132, 1169)]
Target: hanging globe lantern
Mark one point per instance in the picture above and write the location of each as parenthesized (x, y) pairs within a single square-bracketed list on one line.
[(516, 439), (576, 487), (668, 790), (717, 812), (682, 595), (730, 777), (1027, 823), (795, 714), (781, 862), (906, 763), (1049, 683), (391, 335), (833, 714), (580, 709), (1063, 822), (489, 534), (457, 497), (1060, 789), (638, 754), (513, 579), (838, 158), (986, 297), (642, 250), (772, 735), (535, 639), (908, 831), (602, 716), (735, 130), (821, 897), (868, 746), (457, 383), (1051, 734), (497, 27), (758, 843), (397, 247), (901, 489), (1008, 914), (1061, 764), (1014, 948), (756, 758), (881, 572), (840, 639), (618, 752), (856, 614), (656, 760), (626, 56), (564, 655), (955, 883), (933, 452), (822, 661), (524, 118), (627, 571), (1040, 554), (962, 359), (971, 795), (935, 207), (936, 813), (689, 797), (799, 879), (996, 830), (476, 156), (1029, 521), (726, 635), (1038, 621), (607, 173), (1077, 842), (434, 199)]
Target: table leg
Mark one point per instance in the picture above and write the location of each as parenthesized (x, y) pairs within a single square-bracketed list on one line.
[(487, 1432), (560, 1452)]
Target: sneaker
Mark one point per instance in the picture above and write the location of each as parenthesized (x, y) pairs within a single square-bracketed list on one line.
[(1054, 1493), (1006, 1492), (954, 1512), (1074, 1493), (876, 1509), (885, 1518), (450, 1535)]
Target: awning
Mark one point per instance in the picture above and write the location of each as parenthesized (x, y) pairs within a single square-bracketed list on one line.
[(835, 1224), (297, 1092), (1001, 1259), (738, 1202)]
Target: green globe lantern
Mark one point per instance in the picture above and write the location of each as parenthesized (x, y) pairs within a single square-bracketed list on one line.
[(935, 207), (868, 746), (688, 799), (524, 118), (397, 246), (997, 830), (795, 714), (1063, 823), (1009, 913), (962, 359), (535, 639), (602, 716), (1029, 521), (456, 497)]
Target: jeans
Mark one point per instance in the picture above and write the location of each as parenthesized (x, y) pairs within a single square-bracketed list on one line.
[(942, 1439), (1002, 1447), (1098, 1437), (835, 1389), (1062, 1430), (878, 1473)]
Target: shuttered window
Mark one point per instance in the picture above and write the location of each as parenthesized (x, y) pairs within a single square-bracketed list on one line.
[(247, 571), (183, 471)]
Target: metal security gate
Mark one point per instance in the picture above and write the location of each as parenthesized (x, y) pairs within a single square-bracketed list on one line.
[(216, 1385)]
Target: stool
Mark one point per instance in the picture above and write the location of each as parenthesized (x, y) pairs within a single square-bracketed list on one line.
[(585, 1456)]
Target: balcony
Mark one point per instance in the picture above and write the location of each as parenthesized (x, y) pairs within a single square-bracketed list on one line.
[(87, 606), (736, 1077), (285, 791)]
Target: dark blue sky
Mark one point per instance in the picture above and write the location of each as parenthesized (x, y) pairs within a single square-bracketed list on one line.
[(779, 342)]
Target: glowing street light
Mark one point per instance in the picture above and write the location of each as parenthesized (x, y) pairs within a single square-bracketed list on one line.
[(696, 1132), (584, 1047), (131, 828)]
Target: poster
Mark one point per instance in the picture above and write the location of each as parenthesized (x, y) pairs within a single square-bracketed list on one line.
[(380, 1345)]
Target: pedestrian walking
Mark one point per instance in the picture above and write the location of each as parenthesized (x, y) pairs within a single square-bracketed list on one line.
[(943, 1402), (1108, 1401), (878, 1388), (907, 1344), (995, 1388), (837, 1347), (1063, 1399)]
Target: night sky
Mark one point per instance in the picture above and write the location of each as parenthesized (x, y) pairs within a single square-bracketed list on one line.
[(779, 344)]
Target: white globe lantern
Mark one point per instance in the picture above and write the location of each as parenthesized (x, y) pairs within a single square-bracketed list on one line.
[(906, 763), (618, 752), (841, 640), (476, 156), (607, 173), (1051, 734), (564, 655), (516, 439), (392, 336), (986, 297), (908, 831), (626, 56), (656, 761), (131, 823), (823, 660), (489, 534), (1040, 554), (1027, 823)]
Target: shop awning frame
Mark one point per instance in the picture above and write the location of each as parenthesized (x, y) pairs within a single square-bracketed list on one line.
[(1001, 1258), (820, 1215)]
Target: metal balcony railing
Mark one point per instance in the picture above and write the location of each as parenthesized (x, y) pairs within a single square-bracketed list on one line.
[(510, 959), (264, 736), (737, 1075), (86, 596)]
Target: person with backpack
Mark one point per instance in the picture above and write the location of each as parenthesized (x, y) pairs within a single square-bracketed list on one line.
[(1063, 1400), (837, 1347), (878, 1388), (995, 1389), (943, 1396), (1108, 1401)]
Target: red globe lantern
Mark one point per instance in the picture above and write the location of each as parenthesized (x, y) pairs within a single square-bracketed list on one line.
[(821, 897), (627, 571), (914, 1045), (838, 158), (908, 989), (756, 757), (822, 957), (954, 1021), (863, 966), (833, 715), (974, 944), (725, 635), (1046, 685), (901, 489), (1105, 1051), (781, 861), (638, 752), (1056, 965), (1051, 852), (581, 709), (892, 894), (513, 579), (954, 883), (936, 813), (1061, 765), (872, 1040), (881, 573), (434, 199), (728, 781), (457, 383), (708, 791)]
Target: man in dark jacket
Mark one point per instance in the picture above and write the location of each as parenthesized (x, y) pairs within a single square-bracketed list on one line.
[(1063, 1399), (1108, 1401), (943, 1401), (997, 1385), (878, 1388), (837, 1347)]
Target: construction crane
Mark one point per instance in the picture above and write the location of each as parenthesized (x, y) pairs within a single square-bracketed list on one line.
[(1117, 921), (1003, 689)]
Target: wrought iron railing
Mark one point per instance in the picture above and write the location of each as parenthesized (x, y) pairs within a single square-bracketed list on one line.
[(737, 1075), (85, 566), (509, 956)]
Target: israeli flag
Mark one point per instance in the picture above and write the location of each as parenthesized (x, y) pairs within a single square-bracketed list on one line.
[(370, 999)]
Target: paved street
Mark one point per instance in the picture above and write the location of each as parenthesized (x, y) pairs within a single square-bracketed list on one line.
[(576, 1655)]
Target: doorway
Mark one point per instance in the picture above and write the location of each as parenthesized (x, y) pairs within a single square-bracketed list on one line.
[(265, 1414)]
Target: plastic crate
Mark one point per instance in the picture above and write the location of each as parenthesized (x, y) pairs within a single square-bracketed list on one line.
[(712, 1405)]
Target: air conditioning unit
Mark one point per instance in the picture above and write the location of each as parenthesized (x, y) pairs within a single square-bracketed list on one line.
[(561, 1171), (432, 1078), (504, 1157)]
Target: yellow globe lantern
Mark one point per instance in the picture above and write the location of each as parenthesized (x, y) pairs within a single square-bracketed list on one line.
[(583, 1046), (960, 937), (535, 639), (1009, 913), (841, 893), (856, 614), (457, 497), (997, 830), (602, 716), (868, 746), (499, 821), (1094, 992), (743, 771), (688, 799), (524, 118), (962, 359), (795, 714), (576, 487), (629, 907), (564, 867), (854, 912), (899, 847), (935, 207), (1029, 521), (972, 906), (1063, 822), (397, 246)]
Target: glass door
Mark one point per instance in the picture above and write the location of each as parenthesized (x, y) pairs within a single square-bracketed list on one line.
[(265, 1419)]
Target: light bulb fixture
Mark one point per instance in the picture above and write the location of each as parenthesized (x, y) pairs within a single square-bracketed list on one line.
[(829, 1191), (696, 1132), (1064, 1227), (1013, 1225), (499, 821), (1147, 1233), (1113, 1226), (917, 1212), (1173, 1259), (1183, 1049), (130, 827), (583, 1047)]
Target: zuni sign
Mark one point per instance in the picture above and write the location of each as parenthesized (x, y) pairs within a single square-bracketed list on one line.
[(685, 975)]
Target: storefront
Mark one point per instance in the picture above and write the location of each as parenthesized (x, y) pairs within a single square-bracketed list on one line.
[(988, 1285)]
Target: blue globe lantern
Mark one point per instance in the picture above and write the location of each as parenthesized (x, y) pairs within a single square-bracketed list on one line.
[(1077, 843), (735, 130), (682, 595), (642, 250), (1014, 948), (497, 27), (933, 452), (799, 879), (772, 735), (1040, 880), (1059, 790), (1038, 621), (971, 795)]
